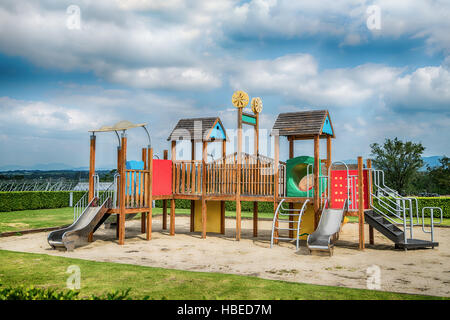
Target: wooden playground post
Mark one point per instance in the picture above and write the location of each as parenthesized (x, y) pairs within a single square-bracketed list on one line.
[(328, 153), (144, 214), (204, 208), (238, 175), (222, 203), (291, 204), (316, 182), (276, 181), (149, 199), (122, 190), (118, 191), (91, 177), (369, 181), (164, 201), (172, 201), (361, 203), (256, 152), (92, 167), (192, 216)]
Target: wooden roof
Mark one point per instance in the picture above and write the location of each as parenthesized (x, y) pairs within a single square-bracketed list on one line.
[(302, 125), (198, 129)]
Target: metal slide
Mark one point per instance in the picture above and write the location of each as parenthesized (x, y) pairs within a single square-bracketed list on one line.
[(77, 234), (327, 231)]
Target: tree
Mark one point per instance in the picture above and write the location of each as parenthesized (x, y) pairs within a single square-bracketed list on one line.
[(399, 160), (440, 176)]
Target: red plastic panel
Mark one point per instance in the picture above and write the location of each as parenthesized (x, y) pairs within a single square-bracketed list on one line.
[(162, 177), (338, 189)]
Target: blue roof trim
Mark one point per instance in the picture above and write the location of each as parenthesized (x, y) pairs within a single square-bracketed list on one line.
[(327, 127), (217, 132)]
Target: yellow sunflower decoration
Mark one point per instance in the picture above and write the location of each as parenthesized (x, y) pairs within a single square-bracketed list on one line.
[(240, 99), (256, 105)]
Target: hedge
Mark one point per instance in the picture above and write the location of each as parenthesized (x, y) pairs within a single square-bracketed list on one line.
[(31, 200), (440, 202)]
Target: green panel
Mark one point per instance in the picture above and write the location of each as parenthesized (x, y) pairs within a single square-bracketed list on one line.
[(248, 119)]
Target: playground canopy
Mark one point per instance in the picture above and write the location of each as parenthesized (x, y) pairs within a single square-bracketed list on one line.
[(199, 129), (304, 124)]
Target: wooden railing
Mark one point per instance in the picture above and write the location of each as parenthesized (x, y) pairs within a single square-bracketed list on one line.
[(187, 177), (136, 186), (257, 178)]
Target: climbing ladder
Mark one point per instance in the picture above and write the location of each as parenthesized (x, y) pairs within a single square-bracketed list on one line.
[(394, 216), (287, 216)]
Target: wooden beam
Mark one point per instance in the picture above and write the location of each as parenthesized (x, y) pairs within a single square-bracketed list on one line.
[(144, 214), (275, 184), (91, 168), (204, 208), (149, 194), (222, 203), (238, 175), (122, 190), (328, 151), (370, 186), (119, 170), (291, 204), (316, 182), (173, 155), (164, 201), (361, 203)]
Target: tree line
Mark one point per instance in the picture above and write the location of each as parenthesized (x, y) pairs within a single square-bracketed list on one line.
[(401, 163)]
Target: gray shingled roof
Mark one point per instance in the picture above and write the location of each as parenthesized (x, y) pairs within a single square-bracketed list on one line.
[(304, 124), (189, 129)]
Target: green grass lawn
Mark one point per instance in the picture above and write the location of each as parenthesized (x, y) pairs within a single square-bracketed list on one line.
[(46, 271), (47, 218)]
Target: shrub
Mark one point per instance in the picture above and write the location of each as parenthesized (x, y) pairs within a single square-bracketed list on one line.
[(31, 200)]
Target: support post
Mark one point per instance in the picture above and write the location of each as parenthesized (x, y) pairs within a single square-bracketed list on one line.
[(276, 181), (164, 201), (291, 205), (222, 203), (256, 151), (172, 201), (204, 208), (328, 152), (122, 190), (92, 167), (118, 191), (238, 175), (361, 203), (149, 193), (316, 182), (91, 177), (192, 216), (144, 214)]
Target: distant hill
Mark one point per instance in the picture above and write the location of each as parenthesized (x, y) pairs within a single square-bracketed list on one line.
[(432, 161)]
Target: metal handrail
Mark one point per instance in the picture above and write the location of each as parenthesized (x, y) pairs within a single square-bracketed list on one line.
[(80, 205), (432, 220)]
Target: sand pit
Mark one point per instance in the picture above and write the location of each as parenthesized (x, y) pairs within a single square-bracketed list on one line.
[(414, 271)]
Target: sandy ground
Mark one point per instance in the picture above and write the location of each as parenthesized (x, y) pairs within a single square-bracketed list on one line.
[(414, 271)]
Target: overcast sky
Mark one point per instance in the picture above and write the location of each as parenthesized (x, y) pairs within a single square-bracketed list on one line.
[(157, 61)]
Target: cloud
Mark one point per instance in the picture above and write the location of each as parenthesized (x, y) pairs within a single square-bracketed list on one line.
[(298, 77), (167, 78)]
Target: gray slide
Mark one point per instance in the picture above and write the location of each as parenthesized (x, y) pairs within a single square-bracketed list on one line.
[(77, 234), (327, 230)]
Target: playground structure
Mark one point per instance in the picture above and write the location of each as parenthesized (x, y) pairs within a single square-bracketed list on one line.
[(311, 196)]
